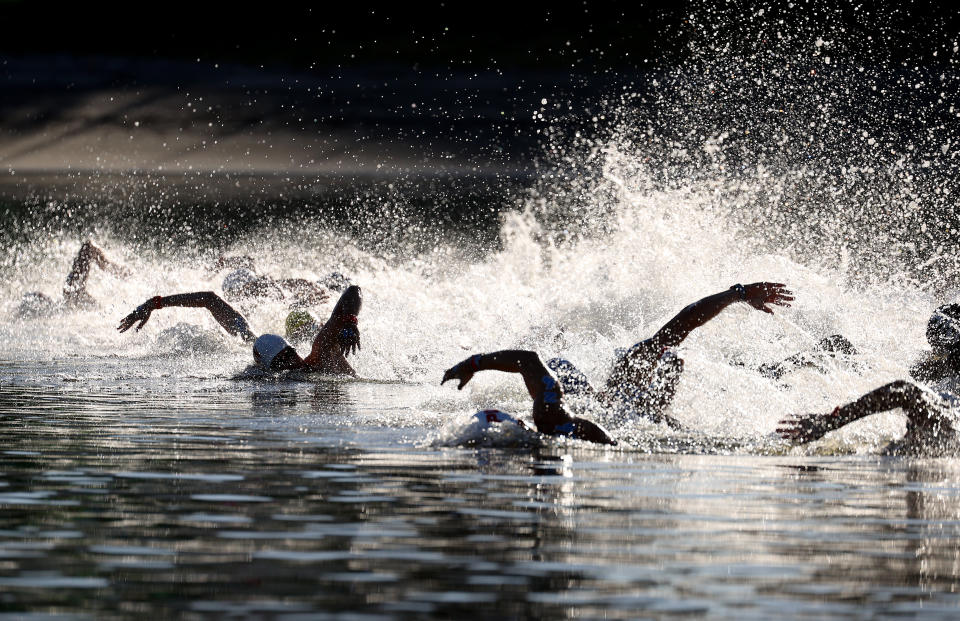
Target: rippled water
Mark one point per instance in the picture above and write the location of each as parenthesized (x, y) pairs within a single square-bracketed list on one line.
[(207, 497), (147, 474)]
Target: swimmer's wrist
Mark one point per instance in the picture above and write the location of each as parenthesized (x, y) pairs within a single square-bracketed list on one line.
[(150, 305), (740, 291)]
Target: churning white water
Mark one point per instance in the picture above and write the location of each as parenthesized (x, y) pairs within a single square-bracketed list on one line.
[(581, 300), (782, 150)]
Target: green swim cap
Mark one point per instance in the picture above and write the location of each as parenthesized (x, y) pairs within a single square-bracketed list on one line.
[(300, 325)]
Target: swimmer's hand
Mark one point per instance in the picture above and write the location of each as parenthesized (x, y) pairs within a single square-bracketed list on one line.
[(462, 371), (760, 294), (141, 314), (349, 339), (803, 428)]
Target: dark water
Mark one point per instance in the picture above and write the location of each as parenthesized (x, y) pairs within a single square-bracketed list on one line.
[(206, 497)]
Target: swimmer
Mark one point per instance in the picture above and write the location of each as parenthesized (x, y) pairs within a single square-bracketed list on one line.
[(75, 295), (833, 347), (930, 407), (337, 338), (644, 377), (931, 423), (243, 283), (941, 363), (548, 413)]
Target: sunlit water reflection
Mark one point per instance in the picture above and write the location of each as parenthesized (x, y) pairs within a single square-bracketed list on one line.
[(214, 496), (146, 474)]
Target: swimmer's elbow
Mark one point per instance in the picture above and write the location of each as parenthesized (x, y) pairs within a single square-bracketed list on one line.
[(528, 360)]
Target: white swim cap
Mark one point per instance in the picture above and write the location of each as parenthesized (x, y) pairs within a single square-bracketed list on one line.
[(238, 279), (266, 348)]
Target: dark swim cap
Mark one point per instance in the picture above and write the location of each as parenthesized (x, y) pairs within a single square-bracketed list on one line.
[(943, 329), (572, 381)]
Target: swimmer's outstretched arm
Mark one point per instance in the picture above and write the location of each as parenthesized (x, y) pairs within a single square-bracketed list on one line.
[(77, 278), (526, 363), (924, 415), (548, 412), (232, 321), (339, 336), (758, 295)]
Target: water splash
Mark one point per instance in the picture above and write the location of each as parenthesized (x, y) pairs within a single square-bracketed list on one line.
[(783, 149)]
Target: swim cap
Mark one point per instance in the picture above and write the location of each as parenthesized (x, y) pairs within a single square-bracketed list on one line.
[(300, 325), (943, 329), (237, 280), (485, 417), (572, 381), (266, 348)]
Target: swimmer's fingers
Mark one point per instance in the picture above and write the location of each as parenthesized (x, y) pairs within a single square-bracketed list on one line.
[(788, 429), (127, 322), (143, 316), (465, 377), (802, 428), (762, 294), (349, 339), (457, 372), (792, 430), (448, 375)]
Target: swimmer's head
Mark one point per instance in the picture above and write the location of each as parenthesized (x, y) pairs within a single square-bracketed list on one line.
[(272, 353), (943, 329), (300, 325), (235, 281), (335, 281), (572, 381)]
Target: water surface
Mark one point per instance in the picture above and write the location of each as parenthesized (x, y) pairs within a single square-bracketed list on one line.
[(216, 496)]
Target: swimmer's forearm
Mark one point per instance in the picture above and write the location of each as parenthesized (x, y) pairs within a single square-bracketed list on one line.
[(198, 299), (526, 363), (507, 360), (693, 316), (232, 321), (899, 394)]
